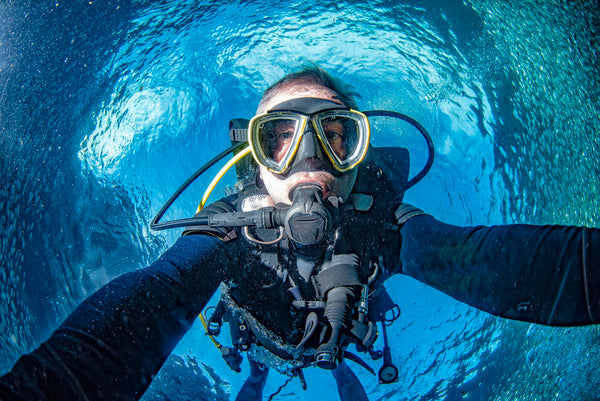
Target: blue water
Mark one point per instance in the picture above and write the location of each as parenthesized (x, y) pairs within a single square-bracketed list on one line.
[(106, 107)]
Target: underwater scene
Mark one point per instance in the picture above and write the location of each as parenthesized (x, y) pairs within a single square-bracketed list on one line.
[(107, 107)]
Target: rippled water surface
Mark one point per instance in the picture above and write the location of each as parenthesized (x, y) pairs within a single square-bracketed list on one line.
[(106, 107)]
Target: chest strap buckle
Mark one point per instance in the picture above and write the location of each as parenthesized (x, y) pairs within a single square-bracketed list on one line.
[(302, 304)]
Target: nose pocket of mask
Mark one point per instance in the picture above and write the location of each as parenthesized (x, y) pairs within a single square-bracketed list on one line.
[(308, 147)]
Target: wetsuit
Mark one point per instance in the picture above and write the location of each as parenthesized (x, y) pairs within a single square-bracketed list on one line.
[(114, 343)]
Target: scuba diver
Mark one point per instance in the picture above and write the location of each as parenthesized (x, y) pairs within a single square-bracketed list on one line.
[(300, 256)]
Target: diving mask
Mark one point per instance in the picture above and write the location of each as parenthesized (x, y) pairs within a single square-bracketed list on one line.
[(287, 133)]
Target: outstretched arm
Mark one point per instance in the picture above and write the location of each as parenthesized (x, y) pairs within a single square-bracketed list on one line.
[(542, 274), (112, 345)]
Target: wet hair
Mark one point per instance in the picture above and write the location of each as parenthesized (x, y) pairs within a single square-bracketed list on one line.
[(314, 75)]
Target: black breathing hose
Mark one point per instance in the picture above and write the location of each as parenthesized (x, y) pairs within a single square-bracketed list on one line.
[(419, 176), (156, 225)]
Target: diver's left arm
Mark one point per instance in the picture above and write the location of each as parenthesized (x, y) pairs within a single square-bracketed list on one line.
[(542, 274), (115, 341)]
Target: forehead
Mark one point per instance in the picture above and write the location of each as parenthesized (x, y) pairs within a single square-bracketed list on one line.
[(294, 91)]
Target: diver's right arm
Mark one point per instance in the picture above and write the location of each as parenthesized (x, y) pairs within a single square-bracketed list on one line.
[(116, 340), (542, 274)]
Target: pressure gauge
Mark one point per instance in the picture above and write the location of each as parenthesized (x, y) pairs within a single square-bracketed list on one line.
[(388, 374)]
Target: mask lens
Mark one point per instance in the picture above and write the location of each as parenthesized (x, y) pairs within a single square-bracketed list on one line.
[(276, 137), (342, 134)]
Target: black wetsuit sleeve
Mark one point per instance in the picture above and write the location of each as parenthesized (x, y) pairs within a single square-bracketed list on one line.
[(116, 340), (542, 274)]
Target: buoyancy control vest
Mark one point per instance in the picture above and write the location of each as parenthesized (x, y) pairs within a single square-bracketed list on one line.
[(283, 302), (351, 269)]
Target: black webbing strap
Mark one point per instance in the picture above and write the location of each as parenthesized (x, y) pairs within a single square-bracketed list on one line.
[(342, 275)]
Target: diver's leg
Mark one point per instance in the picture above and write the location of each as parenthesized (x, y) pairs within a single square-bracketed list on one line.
[(255, 383), (349, 388)]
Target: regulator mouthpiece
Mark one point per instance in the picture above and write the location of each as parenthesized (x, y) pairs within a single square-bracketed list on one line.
[(307, 221)]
